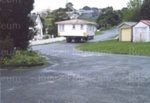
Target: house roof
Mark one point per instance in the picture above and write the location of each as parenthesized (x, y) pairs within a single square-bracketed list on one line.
[(36, 18), (147, 22), (127, 23), (75, 21), (33, 17)]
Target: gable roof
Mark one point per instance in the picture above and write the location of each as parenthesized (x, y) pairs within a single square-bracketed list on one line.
[(147, 22), (33, 17), (75, 21), (36, 18), (127, 23)]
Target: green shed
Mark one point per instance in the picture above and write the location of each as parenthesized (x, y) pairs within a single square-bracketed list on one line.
[(125, 31)]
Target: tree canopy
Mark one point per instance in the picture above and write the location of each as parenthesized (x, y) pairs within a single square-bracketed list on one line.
[(86, 8), (57, 15), (132, 12), (145, 10), (15, 22), (69, 6), (109, 18)]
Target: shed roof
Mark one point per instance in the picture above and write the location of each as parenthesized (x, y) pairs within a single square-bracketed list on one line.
[(127, 23), (147, 22), (75, 21)]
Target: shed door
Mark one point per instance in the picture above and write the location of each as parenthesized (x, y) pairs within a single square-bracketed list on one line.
[(126, 35), (140, 34)]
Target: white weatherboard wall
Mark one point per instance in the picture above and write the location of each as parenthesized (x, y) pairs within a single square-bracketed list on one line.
[(78, 31), (39, 27), (141, 33), (91, 30)]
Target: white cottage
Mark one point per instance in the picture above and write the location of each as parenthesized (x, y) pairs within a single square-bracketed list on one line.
[(141, 31), (76, 29), (39, 26)]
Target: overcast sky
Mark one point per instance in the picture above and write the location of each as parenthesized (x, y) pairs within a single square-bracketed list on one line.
[(55, 4)]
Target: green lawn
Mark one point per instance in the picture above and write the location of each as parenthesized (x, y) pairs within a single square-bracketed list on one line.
[(116, 47)]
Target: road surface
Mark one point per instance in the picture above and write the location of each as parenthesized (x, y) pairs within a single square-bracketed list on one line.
[(106, 36), (79, 77)]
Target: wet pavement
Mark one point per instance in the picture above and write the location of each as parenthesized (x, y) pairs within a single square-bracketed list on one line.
[(79, 77), (107, 35)]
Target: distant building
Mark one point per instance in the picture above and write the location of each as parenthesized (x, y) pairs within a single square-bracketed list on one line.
[(125, 31), (81, 14), (38, 27), (141, 31)]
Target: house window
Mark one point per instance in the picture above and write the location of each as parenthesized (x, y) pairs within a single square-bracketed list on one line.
[(73, 26), (61, 27), (82, 27), (90, 27), (93, 28)]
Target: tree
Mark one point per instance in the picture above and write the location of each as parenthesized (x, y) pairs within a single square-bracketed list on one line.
[(132, 11), (109, 18), (145, 10), (69, 6), (86, 8), (107, 9), (95, 9), (57, 15), (15, 22), (133, 4)]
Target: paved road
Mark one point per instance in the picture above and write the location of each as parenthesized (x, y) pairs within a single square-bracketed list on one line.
[(79, 77), (107, 35)]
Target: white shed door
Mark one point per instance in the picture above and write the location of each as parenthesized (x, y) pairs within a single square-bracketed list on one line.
[(140, 34)]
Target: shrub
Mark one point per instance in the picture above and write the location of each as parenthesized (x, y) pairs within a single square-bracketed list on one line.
[(23, 57), (6, 47), (46, 37)]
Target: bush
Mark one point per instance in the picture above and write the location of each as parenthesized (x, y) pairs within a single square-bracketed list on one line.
[(6, 47), (23, 57), (46, 37)]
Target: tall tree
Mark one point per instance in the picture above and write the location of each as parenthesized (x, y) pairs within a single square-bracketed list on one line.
[(57, 15), (15, 22), (69, 6), (86, 8), (132, 13), (133, 4), (145, 10), (107, 9), (110, 18)]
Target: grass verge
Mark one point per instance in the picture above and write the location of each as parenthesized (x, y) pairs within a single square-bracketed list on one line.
[(116, 47), (23, 58)]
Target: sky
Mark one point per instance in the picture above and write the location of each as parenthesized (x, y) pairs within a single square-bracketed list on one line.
[(40, 5)]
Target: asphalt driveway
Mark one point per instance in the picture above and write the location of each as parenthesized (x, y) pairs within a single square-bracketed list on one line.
[(106, 36), (79, 77)]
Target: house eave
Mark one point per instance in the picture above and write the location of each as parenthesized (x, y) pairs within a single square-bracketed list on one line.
[(78, 23)]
